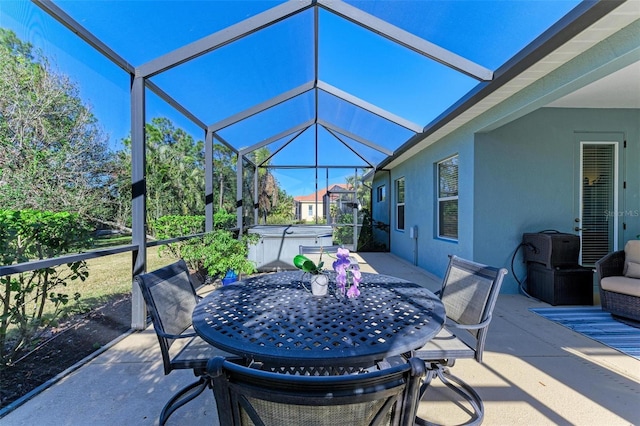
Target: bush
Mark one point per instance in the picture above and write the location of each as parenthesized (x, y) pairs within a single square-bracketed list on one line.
[(26, 235), (218, 252), (172, 226), (224, 220)]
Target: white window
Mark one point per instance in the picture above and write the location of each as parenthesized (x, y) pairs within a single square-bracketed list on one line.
[(448, 198), (400, 204), (310, 212)]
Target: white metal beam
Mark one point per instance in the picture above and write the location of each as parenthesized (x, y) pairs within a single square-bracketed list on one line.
[(283, 97), (222, 37), (274, 138), (66, 20), (360, 103), (407, 39), (168, 99), (225, 143), (294, 137), (355, 137), (332, 133)]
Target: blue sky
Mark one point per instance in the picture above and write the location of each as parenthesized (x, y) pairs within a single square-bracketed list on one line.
[(279, 58)]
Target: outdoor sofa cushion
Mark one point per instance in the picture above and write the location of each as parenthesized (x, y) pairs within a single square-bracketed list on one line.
[(622, 285)]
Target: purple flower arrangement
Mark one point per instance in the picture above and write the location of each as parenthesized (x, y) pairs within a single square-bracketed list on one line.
[(348, 276)]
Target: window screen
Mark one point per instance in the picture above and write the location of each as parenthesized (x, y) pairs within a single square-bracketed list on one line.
[(448, 198)]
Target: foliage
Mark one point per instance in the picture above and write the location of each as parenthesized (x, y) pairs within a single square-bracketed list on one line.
[(172, 226), (53, 155), (305, 264), (174, 171), (224, 220), (27, 235), (366, 237), (343, 235), (175, 226), (218, 252), (224, 177), (284, 211), (363, 192), (275, 207)]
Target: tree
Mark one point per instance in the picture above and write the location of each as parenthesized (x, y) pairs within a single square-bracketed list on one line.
[(284, 211), (267, 184), (53, 155), (363, 191), (174, 172), (224, 177)]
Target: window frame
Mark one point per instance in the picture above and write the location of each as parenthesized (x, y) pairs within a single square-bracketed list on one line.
[(400, 204), (440, 199)]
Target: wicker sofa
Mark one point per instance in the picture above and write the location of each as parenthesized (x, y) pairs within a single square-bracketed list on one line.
[(619, 281)]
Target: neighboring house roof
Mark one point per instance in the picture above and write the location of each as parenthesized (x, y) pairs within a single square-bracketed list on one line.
[(311, 198)]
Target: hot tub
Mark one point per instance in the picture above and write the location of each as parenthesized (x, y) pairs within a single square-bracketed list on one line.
[(278, 244)]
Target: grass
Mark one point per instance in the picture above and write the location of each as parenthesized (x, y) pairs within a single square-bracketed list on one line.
[(110, 276)]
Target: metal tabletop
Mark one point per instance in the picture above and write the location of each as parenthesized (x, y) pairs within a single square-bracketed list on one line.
[(273, 318)]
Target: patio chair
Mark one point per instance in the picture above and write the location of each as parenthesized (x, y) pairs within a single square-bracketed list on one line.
[(469, 294), (250, 396), (170, 298)]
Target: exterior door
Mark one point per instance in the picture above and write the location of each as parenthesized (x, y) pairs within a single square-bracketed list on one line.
[(597, 222)]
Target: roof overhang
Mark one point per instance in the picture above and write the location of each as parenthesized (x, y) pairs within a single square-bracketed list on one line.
[(586, 26)]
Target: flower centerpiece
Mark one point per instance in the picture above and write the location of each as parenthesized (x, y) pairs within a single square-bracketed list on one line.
[(319, 280), (348, 275)]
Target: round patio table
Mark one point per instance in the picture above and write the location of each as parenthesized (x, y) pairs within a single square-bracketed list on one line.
[(274, 319)]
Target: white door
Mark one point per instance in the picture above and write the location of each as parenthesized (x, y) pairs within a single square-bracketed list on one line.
[(597, 222)]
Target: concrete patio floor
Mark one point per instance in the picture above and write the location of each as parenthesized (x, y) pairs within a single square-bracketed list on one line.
[(535, 372)]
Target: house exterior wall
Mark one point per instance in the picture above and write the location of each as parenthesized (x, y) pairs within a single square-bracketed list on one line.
[(517, 168), (380, 209), (526, 176), (427, 250), (518, 178), (306, 206)]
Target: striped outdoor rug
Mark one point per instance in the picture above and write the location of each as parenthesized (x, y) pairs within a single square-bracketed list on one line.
[(600, 326)]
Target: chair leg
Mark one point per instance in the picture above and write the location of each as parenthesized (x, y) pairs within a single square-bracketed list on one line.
[(185, 395), (458, 386)]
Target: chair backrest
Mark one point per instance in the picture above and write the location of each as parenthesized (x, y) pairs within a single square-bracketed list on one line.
[(317, 249), (248, 396), (170, 298), (469, 293)]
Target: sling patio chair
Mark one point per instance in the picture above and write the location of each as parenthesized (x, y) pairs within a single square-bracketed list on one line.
[(250, 396), (170, 298), (469, 293)]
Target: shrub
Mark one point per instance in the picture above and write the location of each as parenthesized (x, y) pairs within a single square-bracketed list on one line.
[(27, 235), (218, 252)]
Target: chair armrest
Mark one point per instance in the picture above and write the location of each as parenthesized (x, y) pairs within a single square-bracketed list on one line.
[(610, 265), (453, 325)]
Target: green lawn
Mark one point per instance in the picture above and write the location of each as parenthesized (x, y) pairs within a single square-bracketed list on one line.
[(111, 275)]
